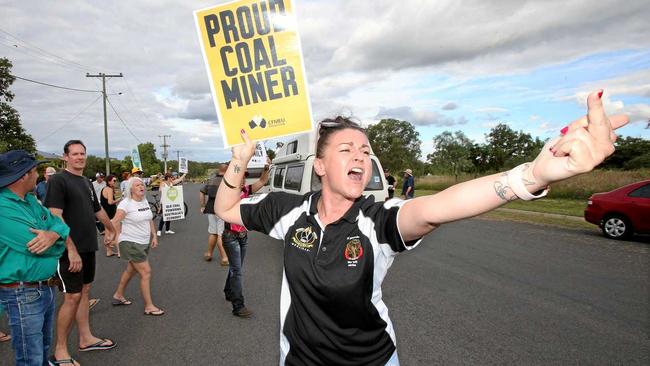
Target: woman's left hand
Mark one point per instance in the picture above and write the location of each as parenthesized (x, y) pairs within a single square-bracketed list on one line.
[(586, 143), (154, 241)]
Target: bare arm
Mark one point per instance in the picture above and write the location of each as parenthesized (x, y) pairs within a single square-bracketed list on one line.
[(226, 205), (262, 181), (179, 179), (588, 142), (108, 193), (201, 201), (117, 221), (73, 255)]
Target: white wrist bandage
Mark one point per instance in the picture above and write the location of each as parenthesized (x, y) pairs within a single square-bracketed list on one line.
[(516, 184)]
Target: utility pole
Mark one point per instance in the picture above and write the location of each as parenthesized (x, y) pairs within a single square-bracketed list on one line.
[(165, 146), (178, 154), (104, 76)]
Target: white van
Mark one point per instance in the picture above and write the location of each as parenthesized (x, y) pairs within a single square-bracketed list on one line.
[(292, 170)]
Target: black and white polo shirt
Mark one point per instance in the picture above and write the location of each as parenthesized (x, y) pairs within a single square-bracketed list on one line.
[(332, 311)]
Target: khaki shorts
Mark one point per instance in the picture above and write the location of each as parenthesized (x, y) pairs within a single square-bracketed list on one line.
[(134, 252), (215, 225)]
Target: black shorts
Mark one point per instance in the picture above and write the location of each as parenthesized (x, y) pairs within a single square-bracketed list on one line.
[(72, 282)]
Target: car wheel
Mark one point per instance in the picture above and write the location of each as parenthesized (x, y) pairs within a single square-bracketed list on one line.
[(616, 227)]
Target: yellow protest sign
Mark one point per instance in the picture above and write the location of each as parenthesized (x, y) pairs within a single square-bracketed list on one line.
[(252, 52)]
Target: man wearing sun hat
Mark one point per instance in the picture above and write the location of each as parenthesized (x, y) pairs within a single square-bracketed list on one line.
[(31, 242), (408, 186)]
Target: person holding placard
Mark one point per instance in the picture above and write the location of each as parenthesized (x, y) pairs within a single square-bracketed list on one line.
[(339, 244), (168, 181)]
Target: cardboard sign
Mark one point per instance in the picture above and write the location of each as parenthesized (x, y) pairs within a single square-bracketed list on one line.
[(171, 199), (259, 158), (182, 165), (253, 56), (135, 158)]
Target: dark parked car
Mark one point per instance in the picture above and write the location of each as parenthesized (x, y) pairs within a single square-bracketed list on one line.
[(621, 212)]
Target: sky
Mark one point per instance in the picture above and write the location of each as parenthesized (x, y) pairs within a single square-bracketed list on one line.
[(442, 65)]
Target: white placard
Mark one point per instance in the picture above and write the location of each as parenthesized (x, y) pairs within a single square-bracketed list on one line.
[(182, 165), (171, 199), (259, 158)]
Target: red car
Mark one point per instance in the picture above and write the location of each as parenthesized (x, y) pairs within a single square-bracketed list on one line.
[(621, 212)]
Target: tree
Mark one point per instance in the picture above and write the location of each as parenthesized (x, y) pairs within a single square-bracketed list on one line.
[(12, 134), (150, 163), (396, 144), (629, 154), (507, 148), (270, 153), (452, 152)]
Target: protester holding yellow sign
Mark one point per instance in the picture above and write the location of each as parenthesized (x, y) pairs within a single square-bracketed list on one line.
[(253, 56)]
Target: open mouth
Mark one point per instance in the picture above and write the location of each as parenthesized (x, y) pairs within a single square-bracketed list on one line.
[(356, 174)]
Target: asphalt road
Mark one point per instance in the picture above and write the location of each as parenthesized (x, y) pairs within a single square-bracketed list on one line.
[(474, 292)]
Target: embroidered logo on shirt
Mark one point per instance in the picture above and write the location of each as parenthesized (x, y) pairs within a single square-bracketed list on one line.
[(353, 251), (304, 238)]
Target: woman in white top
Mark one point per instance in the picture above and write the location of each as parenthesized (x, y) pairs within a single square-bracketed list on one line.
[(136, 235)]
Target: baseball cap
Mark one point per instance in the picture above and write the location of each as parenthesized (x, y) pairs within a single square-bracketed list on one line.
[(136, 170)]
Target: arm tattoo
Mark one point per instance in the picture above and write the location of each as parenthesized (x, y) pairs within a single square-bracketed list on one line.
[(237, 169), (503, 190)]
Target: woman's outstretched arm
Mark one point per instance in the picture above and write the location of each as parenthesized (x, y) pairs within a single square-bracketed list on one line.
[(588, 141)]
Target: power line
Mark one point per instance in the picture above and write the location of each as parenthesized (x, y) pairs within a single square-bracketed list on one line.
[(69, 121), (48, 53), (57, 86), (123, 123)]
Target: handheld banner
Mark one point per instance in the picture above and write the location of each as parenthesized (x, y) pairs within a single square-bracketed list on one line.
[(182, 165), (171, 199), (253, 56), (135, 158), (259, 158)]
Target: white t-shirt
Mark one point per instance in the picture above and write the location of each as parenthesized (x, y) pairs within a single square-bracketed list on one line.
[(98, 187), (136, 226)]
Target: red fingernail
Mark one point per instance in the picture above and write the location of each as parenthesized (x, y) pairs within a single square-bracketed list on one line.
[(564, 130), (551, 149), (242, 130), (600, 94)]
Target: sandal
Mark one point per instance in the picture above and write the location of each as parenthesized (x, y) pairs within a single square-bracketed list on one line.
[(54, 362), (99, 346), (207, 258), (225, 263), (158, 312), (118, 302), (92, 303)]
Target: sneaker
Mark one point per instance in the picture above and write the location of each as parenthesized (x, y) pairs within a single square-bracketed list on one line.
[(158, 233), (169, 232), (243, 313)]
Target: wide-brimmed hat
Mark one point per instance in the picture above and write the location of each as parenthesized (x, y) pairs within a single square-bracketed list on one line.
[(409, 172), (14, 164)]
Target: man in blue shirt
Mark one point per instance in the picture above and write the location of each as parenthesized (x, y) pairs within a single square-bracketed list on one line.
[(408, 186), (41, 187)]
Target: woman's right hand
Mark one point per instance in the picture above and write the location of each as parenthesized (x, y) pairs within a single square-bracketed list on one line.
[(245, 151)]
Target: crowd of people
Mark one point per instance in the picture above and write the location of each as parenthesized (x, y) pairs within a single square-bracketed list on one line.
[(338, 244)]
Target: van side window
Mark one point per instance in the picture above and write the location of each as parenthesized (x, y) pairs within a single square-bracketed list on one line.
[(293, 180), (277, 178), (375, 183), (272, 174), (292, 147)]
